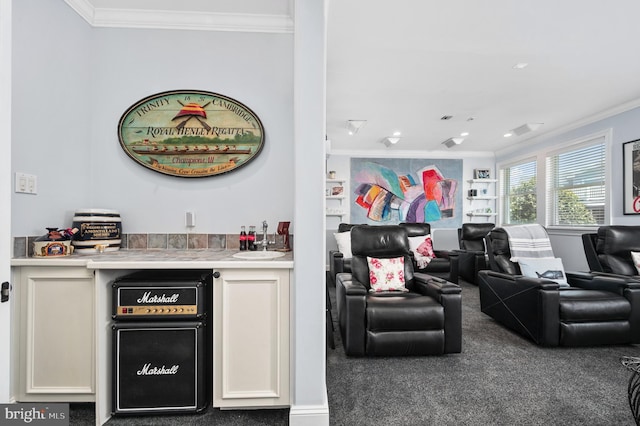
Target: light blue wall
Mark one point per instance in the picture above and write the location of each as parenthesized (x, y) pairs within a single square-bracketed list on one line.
[(51, 119), (72, 83)]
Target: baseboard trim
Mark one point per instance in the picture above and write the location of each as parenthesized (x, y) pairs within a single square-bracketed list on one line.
[(309, 415)]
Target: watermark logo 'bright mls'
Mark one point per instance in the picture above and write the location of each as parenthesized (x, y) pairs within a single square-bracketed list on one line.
[(26, 416), (36, 414)]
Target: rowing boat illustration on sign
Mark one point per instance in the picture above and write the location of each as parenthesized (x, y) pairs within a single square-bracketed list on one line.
[(189, 150)]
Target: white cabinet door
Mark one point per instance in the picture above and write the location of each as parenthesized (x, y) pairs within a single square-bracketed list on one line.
[(251, 338), (57, 334)]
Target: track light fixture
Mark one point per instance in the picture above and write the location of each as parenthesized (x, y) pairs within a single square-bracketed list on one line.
[(353, 126), (390, 141), (451, 142)]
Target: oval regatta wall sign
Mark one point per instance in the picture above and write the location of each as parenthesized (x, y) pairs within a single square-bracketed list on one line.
[(190, 133)]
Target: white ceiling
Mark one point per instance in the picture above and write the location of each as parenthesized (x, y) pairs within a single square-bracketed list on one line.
[(401, 65)]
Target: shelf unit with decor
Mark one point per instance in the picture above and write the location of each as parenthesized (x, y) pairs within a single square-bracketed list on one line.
[(486, 198), (335, 199)]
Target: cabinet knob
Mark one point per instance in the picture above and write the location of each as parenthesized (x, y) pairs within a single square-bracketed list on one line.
[(216, 274)]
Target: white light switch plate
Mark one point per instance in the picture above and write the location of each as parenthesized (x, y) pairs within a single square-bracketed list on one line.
[(26, 184)]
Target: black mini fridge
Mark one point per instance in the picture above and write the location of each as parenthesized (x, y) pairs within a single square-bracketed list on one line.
[(161, 342)]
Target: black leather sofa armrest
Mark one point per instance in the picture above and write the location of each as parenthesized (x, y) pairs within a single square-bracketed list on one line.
[(429, 285), (603, 281), (520, 281), (449, 296), (437, 288), (475, 252), (453, 256), (528, 305), (336, 254), (446, 254), (351, 307), (351, 286), (336, 264)]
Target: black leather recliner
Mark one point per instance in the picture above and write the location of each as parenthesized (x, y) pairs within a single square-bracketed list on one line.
[(427, 320), (444, 265), (594, 310), (473, 256), (609, 249)]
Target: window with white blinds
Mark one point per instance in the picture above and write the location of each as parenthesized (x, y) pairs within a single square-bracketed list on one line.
[(518, 193), (576, 185)]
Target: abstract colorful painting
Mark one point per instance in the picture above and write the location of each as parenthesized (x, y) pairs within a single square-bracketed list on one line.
[(394, 190)]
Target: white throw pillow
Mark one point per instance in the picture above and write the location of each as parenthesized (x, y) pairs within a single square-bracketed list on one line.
[(635, 255), (550, 268), (344, 243)]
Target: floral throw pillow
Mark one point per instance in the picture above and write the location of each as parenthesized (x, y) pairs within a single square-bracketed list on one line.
[(422, 245), (386, 274), (426, 248), (635, 255)]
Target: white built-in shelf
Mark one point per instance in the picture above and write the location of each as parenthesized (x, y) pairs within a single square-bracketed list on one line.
[(335, 208), (482, 197), (472, 214), (482, 180)]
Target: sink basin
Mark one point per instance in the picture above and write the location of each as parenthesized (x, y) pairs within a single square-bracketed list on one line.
[(258, 255)]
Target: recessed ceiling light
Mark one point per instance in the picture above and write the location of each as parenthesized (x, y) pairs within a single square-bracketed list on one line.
[(506, 135), (520, 65), (464, 134), (397, 133)]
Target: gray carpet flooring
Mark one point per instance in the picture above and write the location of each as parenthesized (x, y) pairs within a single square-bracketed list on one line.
[(499, 378)]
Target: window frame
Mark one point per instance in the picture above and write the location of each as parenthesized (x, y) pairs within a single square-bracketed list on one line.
[(540, 157), (578, 145), (502, 203)]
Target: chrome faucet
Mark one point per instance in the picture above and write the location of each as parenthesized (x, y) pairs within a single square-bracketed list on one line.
[(265, 239)]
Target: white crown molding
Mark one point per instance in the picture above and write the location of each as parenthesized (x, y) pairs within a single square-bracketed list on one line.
[(82, 8), (178, 20), (619, 109), (387, 153)]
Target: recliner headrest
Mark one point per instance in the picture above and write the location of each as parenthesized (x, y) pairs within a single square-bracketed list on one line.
[(379, 241), (501, 253), (614, 245), (471, 235), (344, 227), (475, 231), (416, 229)]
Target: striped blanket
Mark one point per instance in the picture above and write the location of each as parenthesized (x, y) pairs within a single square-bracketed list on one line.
[(528, 241)]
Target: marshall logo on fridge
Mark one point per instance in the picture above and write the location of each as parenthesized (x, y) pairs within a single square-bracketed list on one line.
[(145, 301), (148, 298), (147, 370)]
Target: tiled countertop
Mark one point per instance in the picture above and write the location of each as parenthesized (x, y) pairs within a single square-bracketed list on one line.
[(157, 259)]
